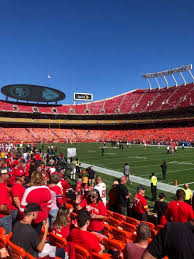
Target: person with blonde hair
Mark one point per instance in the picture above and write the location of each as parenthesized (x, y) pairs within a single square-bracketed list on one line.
[(40, 194), (61, 225)]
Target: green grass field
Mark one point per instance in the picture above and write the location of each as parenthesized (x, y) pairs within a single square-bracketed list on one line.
[(142, 162)]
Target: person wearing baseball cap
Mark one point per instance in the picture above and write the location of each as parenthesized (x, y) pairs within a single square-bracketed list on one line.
[(25, 236), (17, 193), (140, 206), (5, 202)]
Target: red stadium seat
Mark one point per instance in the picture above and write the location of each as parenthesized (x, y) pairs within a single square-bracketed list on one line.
[(113, 222), (128, 227), (132, 221), (57, 240), (81, 253), (122, 235), (118, 216), (14, 251), (114, 244)]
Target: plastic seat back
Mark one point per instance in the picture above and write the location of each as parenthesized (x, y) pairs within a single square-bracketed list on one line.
[(101, 256), (15, 251), (128, 227), (113, 244), (122, 235), (57, 240), (118, 216), (2, 231), (4, 238), (81, 253), (69, 206), (107, 231), (132, 221), (109, 213), (113, 222)]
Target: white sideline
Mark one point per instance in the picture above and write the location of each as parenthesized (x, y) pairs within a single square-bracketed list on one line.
[(136, 179)]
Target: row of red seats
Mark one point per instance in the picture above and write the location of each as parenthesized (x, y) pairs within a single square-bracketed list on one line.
[(136, 101), (17, 252), (120, 230), (78, 135)]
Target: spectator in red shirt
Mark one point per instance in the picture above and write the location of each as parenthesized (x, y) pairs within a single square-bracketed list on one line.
[(5, 202), (97, 210), (179, 210), (17, 193), (113, 197), (61, 226), (79, 183), (40, 194), (82, 237), (63, 184), (56, 197), (140, 206)]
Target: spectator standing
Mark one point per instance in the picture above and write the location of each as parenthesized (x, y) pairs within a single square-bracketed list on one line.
[(5, 202), (188, 193), (56, 197), (40, 194), (140, 206), (79, 183), (96, 208), (159, 207), (122, 196), (17, 192), (175, 240), (101, 187), (164, 169), (91, 175), (136, 250), (102, 150), (127, 171), (113, 197), (179, 210), (154, 181)]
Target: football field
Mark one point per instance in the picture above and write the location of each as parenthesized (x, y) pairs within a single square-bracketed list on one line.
[(142, 162)]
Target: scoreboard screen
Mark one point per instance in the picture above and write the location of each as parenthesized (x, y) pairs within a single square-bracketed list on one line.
[(34, 93), (83, 97)]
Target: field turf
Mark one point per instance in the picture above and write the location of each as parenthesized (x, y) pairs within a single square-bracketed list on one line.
[(142, 163)]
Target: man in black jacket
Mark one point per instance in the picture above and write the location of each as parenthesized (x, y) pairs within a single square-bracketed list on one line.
[(164, 169)]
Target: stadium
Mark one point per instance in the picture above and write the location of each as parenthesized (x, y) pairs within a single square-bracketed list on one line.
[(157, 116), (134, 127)]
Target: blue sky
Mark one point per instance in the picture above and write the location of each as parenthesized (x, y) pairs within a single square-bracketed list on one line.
[(97, 46)]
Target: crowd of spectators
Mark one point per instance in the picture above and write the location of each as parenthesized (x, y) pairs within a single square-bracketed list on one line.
[(33, 203)]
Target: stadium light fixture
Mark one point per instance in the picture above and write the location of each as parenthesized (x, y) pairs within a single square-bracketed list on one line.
[(169, 72)]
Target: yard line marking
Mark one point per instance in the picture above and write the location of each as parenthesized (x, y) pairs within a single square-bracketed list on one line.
[(133, 178)]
